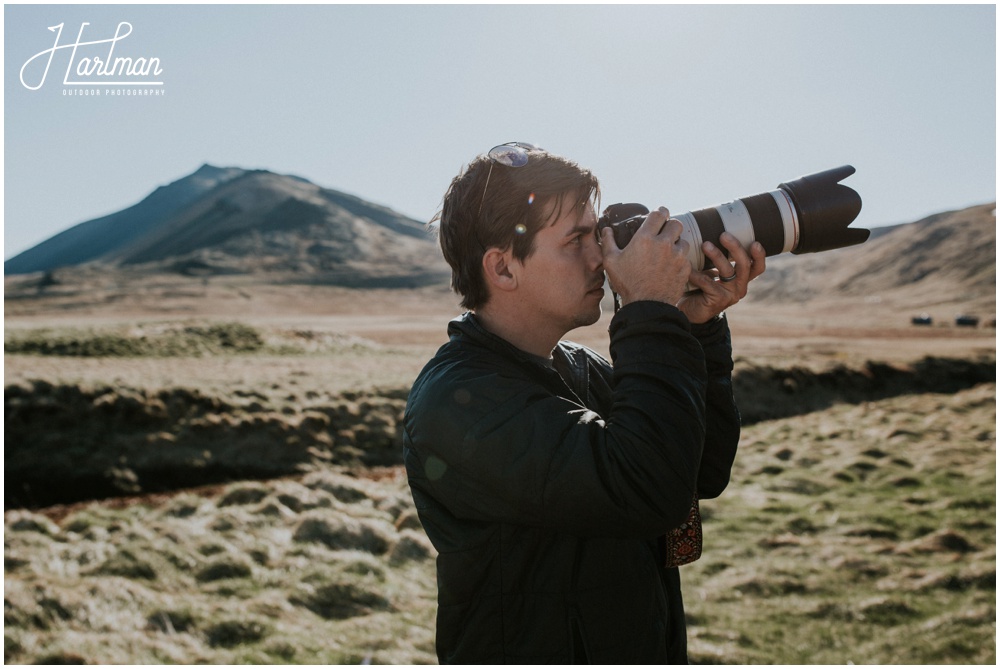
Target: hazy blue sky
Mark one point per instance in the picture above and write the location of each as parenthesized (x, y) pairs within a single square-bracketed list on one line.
[(686, 106)]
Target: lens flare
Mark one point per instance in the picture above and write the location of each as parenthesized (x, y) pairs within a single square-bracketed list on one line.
[(435, 468)]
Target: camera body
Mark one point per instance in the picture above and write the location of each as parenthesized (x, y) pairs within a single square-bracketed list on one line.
[(805, 215)]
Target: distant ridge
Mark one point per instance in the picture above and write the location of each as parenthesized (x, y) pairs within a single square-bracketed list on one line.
[(931, 261), (94, 239), (223, 220)]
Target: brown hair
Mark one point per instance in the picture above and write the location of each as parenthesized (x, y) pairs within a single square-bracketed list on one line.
[(507, 212)]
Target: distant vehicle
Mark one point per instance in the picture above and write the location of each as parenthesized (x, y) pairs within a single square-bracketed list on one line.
[(964, 320), (922, 319)]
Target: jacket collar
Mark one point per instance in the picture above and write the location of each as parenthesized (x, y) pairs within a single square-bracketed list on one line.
[(468, 327)]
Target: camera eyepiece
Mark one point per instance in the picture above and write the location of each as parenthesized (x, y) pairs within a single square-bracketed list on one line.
[(805, 215)]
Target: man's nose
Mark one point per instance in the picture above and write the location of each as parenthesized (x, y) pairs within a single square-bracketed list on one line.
[(595, 257)]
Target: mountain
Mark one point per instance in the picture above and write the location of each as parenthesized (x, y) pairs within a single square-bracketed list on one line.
[(285, 229), (93, 239), (222, 220), (930, 261)]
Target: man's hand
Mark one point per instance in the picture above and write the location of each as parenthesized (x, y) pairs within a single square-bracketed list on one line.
[(654, 265), (715, 295)]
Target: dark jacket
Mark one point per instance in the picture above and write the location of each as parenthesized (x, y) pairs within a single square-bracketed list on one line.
[(545, 498)]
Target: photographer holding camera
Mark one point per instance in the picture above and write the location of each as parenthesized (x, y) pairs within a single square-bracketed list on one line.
[(560, 490)]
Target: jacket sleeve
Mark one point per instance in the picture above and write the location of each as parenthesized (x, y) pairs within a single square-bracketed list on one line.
[(722, 432), (490, 445)]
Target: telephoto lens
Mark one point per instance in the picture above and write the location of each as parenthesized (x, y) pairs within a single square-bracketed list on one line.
[(806, 215)]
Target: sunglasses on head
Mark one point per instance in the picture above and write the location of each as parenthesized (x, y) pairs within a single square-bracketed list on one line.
[(511, 154)]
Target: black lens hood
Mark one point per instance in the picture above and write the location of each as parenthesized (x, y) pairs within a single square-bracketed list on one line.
[(825, 207)]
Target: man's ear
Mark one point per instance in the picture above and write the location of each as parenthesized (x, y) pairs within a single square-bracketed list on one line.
[(497, 269)]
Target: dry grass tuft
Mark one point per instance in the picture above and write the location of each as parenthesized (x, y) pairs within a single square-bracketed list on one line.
[(345, 532), (218, 578)]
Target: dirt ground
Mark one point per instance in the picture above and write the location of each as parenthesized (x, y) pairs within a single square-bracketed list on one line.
[(410, 325)]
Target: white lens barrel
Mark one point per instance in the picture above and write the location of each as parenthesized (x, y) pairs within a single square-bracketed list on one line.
[(769, 218), (692, 235), (736, 220)]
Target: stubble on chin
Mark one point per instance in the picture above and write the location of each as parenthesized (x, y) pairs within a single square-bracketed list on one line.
[(588, 318)]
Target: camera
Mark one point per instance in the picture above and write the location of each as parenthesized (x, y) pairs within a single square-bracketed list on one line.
[(805, 215)]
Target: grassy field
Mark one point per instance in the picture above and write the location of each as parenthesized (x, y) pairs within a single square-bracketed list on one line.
[(325, 569), (859, 532)]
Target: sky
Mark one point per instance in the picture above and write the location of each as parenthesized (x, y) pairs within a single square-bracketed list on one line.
[(685, 106)]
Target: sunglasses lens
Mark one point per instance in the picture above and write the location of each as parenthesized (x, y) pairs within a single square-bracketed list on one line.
[(511, 156)]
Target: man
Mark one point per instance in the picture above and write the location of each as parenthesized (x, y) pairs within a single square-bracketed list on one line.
[(545, 477)]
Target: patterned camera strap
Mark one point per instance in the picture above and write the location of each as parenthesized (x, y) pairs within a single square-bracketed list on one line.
[(683, 543)]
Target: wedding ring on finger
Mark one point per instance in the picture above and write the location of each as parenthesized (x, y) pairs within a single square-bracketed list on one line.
[(727, 279)]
